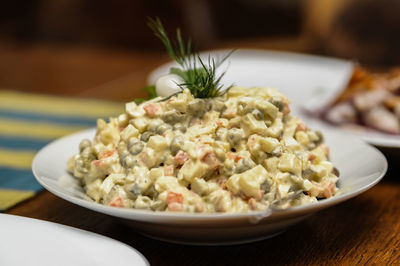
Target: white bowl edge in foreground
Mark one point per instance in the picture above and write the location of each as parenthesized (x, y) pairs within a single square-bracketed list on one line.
[(27, 241)]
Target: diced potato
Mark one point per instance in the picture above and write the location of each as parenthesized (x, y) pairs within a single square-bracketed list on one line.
[(268, 144), (109, 135), (140, 123), (157, 143), (155, 173), (133, 110), (92, 189), (221, 200), (129, 132), (166, 183), (101, 124), (148, 157), (123, 120), (249, 185), (247, 182), (252, 126), (269, 110), (97, 148), (109, 182), (307, 185), (292, 144), (236, 91), (318, 154), (233, 183), (289, 163), (275, 129), (143, 202), (283, 189), (180, 104), (322, 169), (199, 186), (328, 165), (271, 164), (302, 138), (192, 169)]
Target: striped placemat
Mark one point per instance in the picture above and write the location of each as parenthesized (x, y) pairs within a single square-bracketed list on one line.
[(30, 121)]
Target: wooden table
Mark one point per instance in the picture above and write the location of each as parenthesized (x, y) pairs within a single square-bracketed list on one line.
[(363, 230)]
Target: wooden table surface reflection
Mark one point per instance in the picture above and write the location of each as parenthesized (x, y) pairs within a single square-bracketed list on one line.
[(364, 230)]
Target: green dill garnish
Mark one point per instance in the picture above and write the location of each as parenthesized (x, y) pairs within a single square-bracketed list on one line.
[(199, 77)]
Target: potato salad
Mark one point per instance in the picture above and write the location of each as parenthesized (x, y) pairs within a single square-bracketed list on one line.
[(239, 152)]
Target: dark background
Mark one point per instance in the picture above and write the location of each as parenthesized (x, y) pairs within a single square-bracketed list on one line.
[(365, 30)]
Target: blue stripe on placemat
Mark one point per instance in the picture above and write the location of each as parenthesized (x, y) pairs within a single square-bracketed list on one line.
[(55, 119), (28, 122), (11, 142), (18, 179)]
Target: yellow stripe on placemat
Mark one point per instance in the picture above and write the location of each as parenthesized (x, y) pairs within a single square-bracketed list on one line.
[(16, 158), (59, 105), (9, 197), (35, 129)]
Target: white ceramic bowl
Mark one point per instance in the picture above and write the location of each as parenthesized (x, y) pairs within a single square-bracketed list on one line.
[(361, 167)]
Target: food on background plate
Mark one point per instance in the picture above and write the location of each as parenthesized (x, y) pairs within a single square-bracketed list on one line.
[(370, 101), (204, 149)]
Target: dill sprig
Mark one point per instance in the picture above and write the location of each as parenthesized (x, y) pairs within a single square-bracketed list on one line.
[(199, 77)]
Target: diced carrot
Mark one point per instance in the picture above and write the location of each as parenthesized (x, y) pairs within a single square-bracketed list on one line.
[(230, 155), (173, 197), (151, 109), (324, 190), (211, 160), (329, 190), (301, 127), (252, 204), (259, 195), (99, 163), (311, 157), (116, 202), (106, 154), (202, 149), (238, 158), (181, 157)]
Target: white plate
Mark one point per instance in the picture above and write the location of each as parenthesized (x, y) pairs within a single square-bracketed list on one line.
[(361, 167), (26, 241)]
